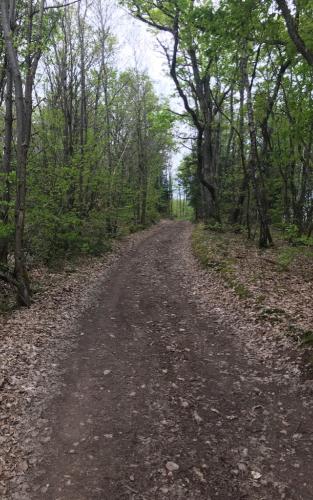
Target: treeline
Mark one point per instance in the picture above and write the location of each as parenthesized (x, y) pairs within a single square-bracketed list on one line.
[(243, 71), (85, 148)]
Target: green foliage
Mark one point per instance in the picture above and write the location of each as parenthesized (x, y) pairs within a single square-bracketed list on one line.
[(99, 160), (6, 231), (181, 209), (301, 336), (292, 235), (288, 254), (215, 226), (307, 338), (226, 38)]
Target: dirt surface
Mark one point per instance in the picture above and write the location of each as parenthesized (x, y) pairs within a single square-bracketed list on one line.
[(164, 398)]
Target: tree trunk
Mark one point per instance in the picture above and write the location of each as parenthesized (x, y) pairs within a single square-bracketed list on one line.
[(23, 106), (265, 237), (6, 164)]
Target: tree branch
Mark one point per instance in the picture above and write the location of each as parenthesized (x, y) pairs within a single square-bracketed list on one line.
[(292, 27)]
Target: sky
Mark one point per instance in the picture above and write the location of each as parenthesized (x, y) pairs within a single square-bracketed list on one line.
[(138, 46)]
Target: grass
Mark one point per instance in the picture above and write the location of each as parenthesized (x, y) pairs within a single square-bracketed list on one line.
[(301, 336), (257, 275), (307, 338), (211, 248), (287, 255)]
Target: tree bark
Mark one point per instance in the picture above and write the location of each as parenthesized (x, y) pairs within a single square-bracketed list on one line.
[(23, 106), (293, 32), (265, 237), (6, 166)]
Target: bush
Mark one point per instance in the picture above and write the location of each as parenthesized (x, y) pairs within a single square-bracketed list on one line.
[(293, 236), (217, 227), (50, 238)]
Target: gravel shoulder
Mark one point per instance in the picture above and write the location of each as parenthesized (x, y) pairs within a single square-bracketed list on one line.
[(139, 385)]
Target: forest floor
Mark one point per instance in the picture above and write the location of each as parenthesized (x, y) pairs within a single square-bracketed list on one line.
[(144, 376)]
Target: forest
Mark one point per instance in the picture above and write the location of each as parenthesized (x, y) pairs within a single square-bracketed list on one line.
[(156, 249), (86, 145), (243, 71)]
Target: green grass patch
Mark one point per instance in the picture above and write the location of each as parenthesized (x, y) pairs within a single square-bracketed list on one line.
[(287, 255), (307, 338), (303, 337), (210, 246)]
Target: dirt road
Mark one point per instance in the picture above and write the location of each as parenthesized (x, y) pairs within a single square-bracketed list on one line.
[(161, 401)]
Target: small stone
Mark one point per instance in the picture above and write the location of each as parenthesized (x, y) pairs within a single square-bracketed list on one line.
[(297, 436), (107, 372), (45, 488), (199, 474), (256, 475), (45, 439), (171, 466), (197, 417)]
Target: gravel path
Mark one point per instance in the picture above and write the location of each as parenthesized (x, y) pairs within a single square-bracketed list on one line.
[(161, 398)]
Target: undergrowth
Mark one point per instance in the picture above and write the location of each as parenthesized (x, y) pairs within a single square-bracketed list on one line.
[(287, 255), (235, 260), (211, 249)]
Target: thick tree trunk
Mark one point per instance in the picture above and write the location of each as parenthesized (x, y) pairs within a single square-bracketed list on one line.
[(209, 204)]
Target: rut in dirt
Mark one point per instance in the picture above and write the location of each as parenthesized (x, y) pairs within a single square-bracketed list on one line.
[(159, 401)]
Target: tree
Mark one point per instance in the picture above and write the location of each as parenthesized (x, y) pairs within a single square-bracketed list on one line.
[(92, 150), (23, 106), (292, 24), (191, 69)]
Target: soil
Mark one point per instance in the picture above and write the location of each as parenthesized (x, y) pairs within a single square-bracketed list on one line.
[(163, 396)]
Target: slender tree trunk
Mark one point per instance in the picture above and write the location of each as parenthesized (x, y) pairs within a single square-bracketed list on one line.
[(83, 106), (265, 237), (237, 214), (6, 166), (23, 106)]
